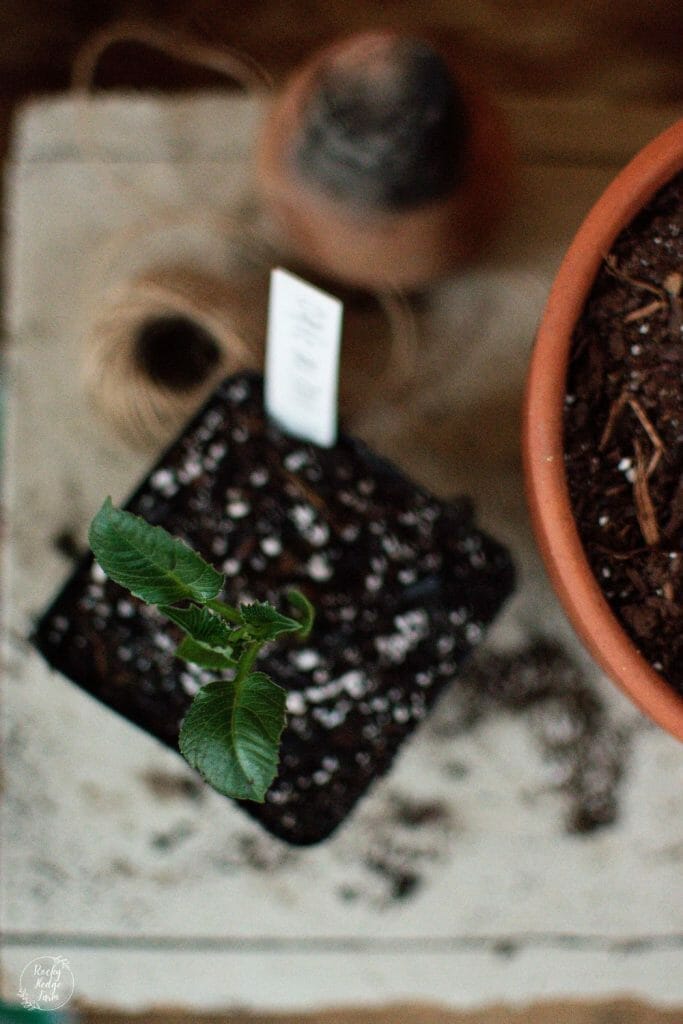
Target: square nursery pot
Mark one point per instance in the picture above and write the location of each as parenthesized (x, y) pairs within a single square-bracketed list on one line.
[(404, 586), (603, 431)]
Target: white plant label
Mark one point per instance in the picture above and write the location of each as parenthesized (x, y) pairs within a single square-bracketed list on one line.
[(302, 358)]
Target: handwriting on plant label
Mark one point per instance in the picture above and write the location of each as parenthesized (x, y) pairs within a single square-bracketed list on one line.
[(302, 358)]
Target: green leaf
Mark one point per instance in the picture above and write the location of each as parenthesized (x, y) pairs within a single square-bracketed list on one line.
[(202, 625), (205, 656), (231, 735), (306, 611), (152, 564), (210, 642), (264, 622)]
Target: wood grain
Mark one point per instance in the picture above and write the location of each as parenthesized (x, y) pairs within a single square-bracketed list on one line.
[(613, 1012)]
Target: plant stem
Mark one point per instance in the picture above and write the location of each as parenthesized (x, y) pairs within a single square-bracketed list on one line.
[(225, 611), (246, 662)]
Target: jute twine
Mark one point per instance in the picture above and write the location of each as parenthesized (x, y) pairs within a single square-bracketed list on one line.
[(143, 407), (147, 409)]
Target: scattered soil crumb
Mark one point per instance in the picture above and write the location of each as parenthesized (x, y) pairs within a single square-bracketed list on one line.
[(584, 750), (167, 841), (170, 786), (66, 544)]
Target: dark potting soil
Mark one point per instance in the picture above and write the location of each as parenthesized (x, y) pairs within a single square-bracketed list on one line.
[(404, 586), (393, 137), (624, 430)]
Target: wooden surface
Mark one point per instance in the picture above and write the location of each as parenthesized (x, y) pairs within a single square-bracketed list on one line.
[(537, 47), (158, 895), (600, 61), (619, 1012)]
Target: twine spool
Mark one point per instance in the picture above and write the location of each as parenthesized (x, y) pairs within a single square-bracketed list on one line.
[(163, 341), (159, 342), (156, 345)]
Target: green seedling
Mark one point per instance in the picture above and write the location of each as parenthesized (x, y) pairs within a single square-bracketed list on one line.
[(231, 733)]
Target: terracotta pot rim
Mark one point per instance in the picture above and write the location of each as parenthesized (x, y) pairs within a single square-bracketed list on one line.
[(546, 484)]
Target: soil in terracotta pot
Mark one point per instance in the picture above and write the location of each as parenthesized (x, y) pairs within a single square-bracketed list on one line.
[(404, 586), (624, 430)]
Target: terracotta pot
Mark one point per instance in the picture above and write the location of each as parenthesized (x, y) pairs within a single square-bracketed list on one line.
[(346, 236), (547, 489)]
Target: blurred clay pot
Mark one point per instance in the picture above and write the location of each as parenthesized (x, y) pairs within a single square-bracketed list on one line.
[(546, 481), (382, 164)]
